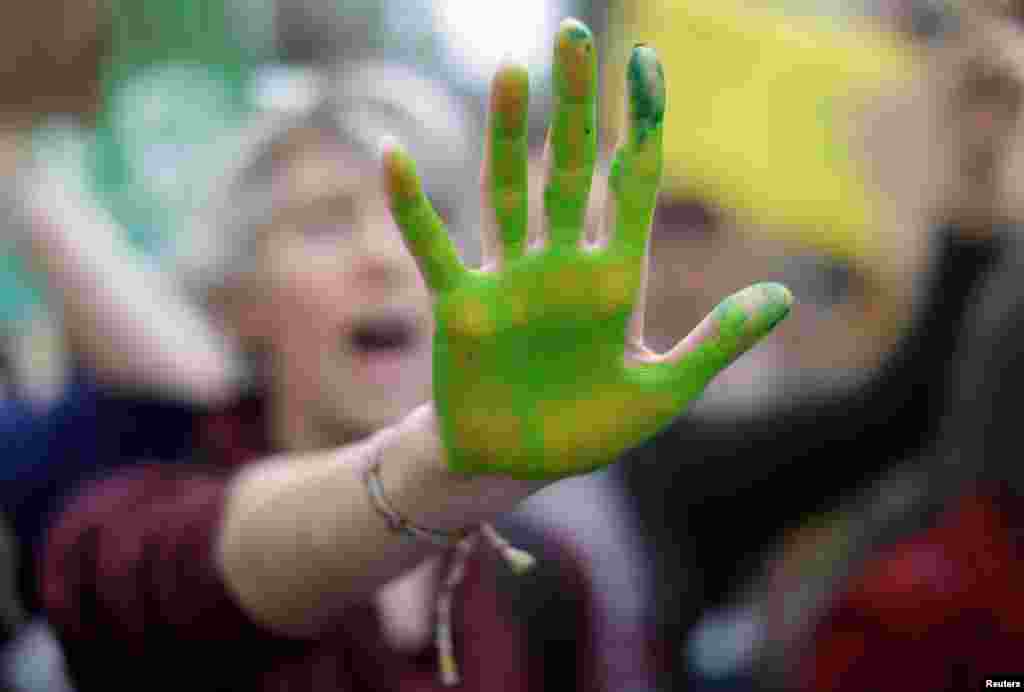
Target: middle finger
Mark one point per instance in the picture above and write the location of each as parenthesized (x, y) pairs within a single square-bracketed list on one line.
[(573, 135)]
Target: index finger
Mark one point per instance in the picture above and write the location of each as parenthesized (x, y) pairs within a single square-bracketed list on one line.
[(573, 134), (422, 229)]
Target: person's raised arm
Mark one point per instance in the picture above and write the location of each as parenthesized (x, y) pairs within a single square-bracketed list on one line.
[(540, 370)]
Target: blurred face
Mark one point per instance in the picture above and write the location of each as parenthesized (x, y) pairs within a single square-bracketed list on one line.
[(691, 268), (699, 256), (346, 316)]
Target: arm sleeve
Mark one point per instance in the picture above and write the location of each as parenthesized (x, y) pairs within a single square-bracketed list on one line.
[(889, 626), (87, 433), (130, 584), (938, 610), (129, 567), (860, 653)]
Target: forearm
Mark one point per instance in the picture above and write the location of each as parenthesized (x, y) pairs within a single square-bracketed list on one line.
[(125, 318), (301, 539)]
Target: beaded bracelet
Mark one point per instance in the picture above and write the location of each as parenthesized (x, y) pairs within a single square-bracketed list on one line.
[(460, 545)]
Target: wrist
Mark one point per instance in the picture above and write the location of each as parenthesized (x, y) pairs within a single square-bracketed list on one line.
[(414, 472)]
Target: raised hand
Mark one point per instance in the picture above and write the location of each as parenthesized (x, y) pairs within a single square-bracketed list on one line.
[(540, 370)]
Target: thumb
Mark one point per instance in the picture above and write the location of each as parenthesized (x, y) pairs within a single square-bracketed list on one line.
[(729, 331)]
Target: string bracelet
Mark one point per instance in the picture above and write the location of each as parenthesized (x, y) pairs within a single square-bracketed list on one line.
[(459, 546)]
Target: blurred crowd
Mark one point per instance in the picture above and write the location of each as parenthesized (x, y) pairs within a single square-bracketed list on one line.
[(839, 511)]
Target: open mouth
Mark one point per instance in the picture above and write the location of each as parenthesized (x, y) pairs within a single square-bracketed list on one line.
[(383, 336), (381, 348)]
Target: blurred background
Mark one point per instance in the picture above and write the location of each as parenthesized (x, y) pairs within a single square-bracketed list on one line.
[(177, 76), (770, 175)]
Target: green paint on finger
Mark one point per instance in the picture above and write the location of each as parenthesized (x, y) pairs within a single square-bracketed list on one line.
[(509, 197), (422, 229), (402, 181), (573, 133), (748, 316), (575, 63), (575, 30), (510, 100), (508, 157), (732, 328), (637, 166), (779, 302), (646, 92)]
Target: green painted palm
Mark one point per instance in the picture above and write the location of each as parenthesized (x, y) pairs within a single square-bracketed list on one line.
[(539, 365)]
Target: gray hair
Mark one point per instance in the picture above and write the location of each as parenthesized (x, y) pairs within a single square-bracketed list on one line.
[(362, 104)]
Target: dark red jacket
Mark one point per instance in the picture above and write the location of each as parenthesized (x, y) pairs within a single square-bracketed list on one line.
[(129, 583), (940, 610)]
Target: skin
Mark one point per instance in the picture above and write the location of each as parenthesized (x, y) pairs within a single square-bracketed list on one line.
[(332, 258), (539, 366)]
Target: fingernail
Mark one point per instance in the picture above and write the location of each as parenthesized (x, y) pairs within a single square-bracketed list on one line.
[(400, 171), (776, 303), (511, 97), (574, 29), (575, 60), (754, 311), (646, 90), (385, 146)]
